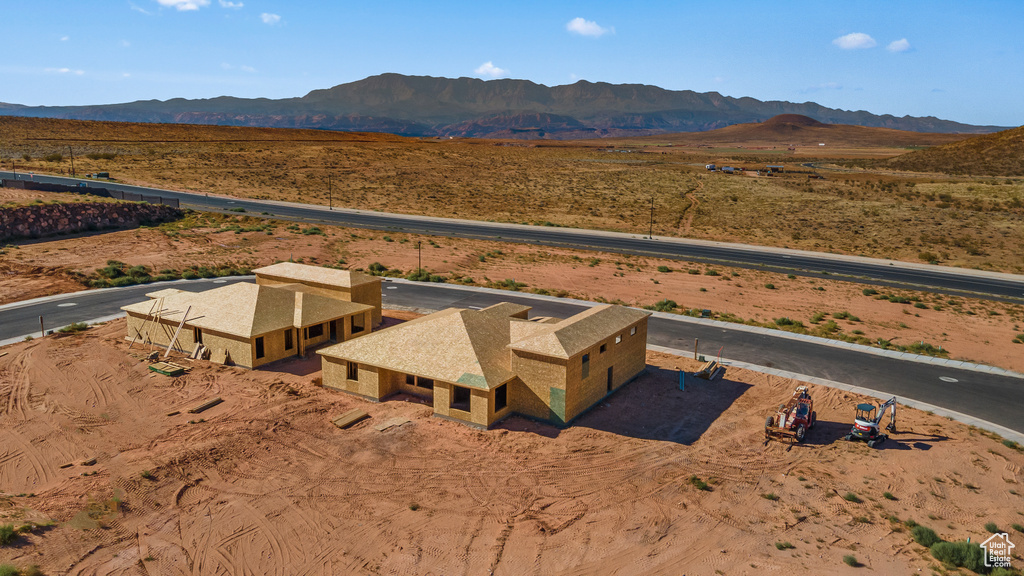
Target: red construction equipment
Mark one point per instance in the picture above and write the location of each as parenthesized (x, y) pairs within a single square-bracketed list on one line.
[(793, 419)]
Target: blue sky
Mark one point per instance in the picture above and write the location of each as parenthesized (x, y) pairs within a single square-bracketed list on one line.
[(956, 60)]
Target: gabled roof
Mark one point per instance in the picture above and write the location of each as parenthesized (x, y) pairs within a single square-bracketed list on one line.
[(467, 347), (303, 273), (246, 310), (575, 334)]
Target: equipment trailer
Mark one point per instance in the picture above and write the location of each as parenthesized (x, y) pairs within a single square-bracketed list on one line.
[(793, 419)]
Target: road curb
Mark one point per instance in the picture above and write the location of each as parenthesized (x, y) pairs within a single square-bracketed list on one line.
[(1003, 431), (961, 364)]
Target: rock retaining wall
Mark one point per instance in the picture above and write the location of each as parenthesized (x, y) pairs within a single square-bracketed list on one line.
[(39, 220)]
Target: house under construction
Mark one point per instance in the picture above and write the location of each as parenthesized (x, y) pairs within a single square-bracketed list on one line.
[(479, 366), (246, 324)]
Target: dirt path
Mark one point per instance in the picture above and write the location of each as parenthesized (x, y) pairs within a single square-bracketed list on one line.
[(691, 210)]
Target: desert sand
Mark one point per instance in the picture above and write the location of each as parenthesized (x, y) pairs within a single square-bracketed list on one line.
[(264, 484)]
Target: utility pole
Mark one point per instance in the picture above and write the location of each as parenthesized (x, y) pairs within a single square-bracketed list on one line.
[(14, 168), (651, 234), (330, 197), (72, 161), (419, 256)]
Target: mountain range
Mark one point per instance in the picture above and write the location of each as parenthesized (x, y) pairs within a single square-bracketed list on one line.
[(469, 107)]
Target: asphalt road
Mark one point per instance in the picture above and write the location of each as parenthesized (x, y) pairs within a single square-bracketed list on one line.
[(1008, 288), (995, 398)]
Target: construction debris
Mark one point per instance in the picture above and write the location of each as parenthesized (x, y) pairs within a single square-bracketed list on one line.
[(709, 370), (206, 405), (350, 418), (168, 368), (175, 413), (394, 422), (88, 462)]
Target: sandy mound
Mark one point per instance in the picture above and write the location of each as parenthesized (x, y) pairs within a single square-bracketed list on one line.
[(263, 483)]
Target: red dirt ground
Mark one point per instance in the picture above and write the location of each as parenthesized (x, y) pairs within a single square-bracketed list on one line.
[(264, 484)]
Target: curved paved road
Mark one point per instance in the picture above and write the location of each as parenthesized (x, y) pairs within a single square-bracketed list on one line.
[(1004, 287), (992, 397)]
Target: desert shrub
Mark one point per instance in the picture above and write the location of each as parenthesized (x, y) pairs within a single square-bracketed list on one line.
[(770, 496), (785, 321), (869, 291), (693, 271), (418, 275), (74, 327), (961, 554), (992, 527), (1018, 339), (8, 570), (784, 545), (928, 257), (851, 560), (817, 317), (924, 536), (920, 305), (664, 269), (101, 156), (711, 272), (888, 496), (1011, 444), (313, 230), (7, 534), (770, 286), (508, 284), (377, 269), (236, 209), (189, 275), (53, 157), (664, 305), (698, 483), (113, 269), (851, 497), (1017, 527)]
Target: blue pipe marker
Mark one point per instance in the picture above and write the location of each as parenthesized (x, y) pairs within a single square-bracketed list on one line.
[(682, 380)]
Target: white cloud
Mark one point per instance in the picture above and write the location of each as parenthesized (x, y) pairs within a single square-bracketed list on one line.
[(901, 45), (64, 71), (587, 28), (245, 68), (65, 38), (228, 4), (489, 69), (184, 5), (138, 9), (855, 41), (269, 18), (126, 75), (125, 44)]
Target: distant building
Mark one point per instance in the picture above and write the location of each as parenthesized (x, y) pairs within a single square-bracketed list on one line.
[(479, 366), (775, 168)]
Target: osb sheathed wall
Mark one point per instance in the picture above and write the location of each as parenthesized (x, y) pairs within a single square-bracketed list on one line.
[(530, 394), (626, 359), (241, 350), (481, 404), (369, 294), (363, 294)]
